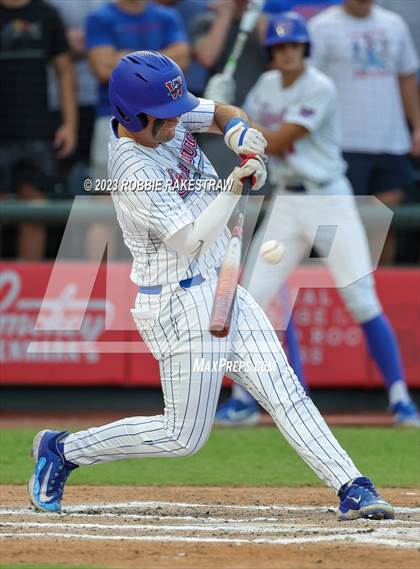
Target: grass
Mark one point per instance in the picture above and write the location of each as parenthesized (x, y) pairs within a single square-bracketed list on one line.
[(238, 457)]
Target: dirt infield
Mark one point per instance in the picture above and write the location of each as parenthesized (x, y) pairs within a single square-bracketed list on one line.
[(207, 528)]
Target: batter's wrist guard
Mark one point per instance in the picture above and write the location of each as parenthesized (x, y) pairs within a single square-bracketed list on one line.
[(233, 122)]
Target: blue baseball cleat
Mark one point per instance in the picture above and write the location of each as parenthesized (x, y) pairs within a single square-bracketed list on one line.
[(359, 499), (406, 414), (46, 485), (236, 413)]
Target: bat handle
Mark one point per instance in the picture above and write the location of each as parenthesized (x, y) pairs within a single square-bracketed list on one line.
[(251, 15), (246, 189), (222, 331)]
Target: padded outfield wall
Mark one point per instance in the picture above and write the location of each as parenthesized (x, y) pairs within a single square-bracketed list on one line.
[(76, 328)]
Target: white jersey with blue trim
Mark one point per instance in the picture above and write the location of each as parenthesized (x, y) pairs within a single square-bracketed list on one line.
[(310, 102), (148, 217)]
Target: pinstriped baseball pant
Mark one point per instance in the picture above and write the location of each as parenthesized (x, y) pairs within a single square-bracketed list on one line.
[(191, 377)]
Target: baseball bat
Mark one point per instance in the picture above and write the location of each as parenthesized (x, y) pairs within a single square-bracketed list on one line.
[(229, 274), (246, 26)]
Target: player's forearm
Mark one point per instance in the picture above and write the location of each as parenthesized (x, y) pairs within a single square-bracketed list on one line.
[(410, 98), (281, 141), (67, 88), (103, 62), (223, 114), (195, 238), (179, 52)]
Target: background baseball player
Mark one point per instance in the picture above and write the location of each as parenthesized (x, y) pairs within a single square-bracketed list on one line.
[(177, 240), (297, 106)]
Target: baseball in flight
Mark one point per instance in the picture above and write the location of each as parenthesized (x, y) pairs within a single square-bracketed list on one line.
[(272, 251)]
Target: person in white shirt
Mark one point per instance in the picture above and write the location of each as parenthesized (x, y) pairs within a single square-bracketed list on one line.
[(369, 54), (294, 106)]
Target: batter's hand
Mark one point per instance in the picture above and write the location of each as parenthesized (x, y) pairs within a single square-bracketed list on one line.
[(243, 139), (252, 166), (220, 88)]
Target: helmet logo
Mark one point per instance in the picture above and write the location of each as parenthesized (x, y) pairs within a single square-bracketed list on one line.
[(283, 29), (175, 87)]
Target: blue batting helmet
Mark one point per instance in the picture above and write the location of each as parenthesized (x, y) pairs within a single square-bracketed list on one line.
[(147, 82), (288, 27)]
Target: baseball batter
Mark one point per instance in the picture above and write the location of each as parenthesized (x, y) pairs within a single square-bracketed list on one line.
[(177, 239), (313, 206)]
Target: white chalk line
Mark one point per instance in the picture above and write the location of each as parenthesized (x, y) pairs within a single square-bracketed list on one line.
[(124, 506), (380, 536), (158, 517), (163, 518), (186, 505), (184, 539), (223, 527)]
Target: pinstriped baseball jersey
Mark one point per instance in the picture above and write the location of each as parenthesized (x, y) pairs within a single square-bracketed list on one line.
[(148, 218)]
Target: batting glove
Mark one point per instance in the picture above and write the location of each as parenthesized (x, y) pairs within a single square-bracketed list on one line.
[(252, 166), (220, 88), (243, 139)]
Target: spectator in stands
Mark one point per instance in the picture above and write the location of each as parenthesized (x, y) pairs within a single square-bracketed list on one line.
[(114, 30), (32, 36), (368, 52), (119, 28), (192, 11), (74, 14)]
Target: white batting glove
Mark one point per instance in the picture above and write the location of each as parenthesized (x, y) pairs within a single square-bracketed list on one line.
[(243, 139), (252, 166), (220, 88)]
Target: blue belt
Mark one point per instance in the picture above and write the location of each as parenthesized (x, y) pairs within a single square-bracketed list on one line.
[(296, 189), (186, 283)]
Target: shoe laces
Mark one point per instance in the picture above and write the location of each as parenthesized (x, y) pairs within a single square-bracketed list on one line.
[(361, 486), (58, 479)]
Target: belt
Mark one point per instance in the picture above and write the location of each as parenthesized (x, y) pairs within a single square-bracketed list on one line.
[(296, 189), (186, 283)]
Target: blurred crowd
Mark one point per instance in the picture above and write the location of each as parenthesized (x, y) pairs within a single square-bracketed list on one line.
[(56, 57)]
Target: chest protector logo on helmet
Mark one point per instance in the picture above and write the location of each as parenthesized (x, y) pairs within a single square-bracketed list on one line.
[(175, 87)]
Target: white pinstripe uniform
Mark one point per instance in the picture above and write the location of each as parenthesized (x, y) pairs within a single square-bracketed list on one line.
[(315, 165), (174, 323)]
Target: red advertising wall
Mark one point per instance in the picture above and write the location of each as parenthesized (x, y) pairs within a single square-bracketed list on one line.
[(332, 344), (87, 327), (84, 334)]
